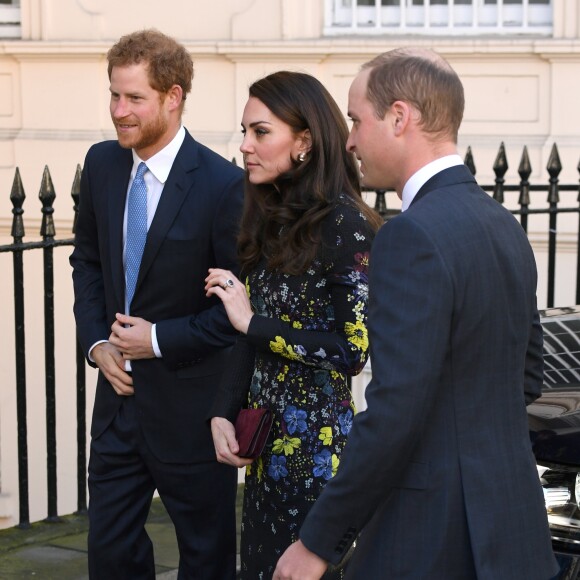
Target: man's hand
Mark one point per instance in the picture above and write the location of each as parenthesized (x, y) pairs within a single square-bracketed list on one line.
[(111, 364), (299, 563), (132, 336), (225, 443)]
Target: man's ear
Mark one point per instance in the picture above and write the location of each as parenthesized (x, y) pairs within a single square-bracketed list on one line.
[(174, 97), (401, 116)]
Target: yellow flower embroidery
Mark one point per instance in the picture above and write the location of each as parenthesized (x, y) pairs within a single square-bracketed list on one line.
[(282, 373), (285, 318), (297, 324), (335, 464), (357, 335), (279, 346), (287, 445), (326, 435)]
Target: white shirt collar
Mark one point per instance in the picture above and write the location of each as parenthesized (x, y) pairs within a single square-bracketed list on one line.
[(419, 178), (160, 164)]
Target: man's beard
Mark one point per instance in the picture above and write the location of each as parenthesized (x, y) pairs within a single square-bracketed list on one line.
[(148, 134)]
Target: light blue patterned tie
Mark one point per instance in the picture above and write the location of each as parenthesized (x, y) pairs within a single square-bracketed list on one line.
[(136, 230)]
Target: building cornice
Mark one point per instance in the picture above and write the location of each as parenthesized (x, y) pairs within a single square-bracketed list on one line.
[(314, 50)]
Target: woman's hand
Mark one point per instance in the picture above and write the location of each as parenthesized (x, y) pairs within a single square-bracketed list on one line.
[(224, 285), (226, 444)]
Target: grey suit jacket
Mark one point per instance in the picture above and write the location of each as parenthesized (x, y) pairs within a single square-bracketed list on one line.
[(438, 475)]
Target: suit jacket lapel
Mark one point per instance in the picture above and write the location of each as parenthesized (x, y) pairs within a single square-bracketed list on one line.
[(176, 188), (117, 185), (449, 176)]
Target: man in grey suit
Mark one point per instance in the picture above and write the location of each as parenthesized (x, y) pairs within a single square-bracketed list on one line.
[(438, 479)]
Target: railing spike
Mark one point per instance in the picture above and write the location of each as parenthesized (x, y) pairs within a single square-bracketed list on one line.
[(17, 197), (469, 162), (381, 204), (554, 168), (47, 197), (500, 167), (525, 170), (578, 169), (76, 195)]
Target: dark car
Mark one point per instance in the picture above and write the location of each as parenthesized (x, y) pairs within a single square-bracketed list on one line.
[(554, 421)]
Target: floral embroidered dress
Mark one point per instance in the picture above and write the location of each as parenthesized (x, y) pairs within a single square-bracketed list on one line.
[(308, 334)]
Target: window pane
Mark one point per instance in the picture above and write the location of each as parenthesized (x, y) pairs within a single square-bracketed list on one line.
[(458, 16)]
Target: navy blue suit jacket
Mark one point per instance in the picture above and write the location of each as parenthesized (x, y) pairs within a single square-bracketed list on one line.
[(438, 472), (194, 228)]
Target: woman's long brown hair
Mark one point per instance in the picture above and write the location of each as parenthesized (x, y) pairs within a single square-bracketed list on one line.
[(281, 221)]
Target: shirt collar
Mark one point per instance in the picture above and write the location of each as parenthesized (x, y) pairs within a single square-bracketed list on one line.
[(419, 178), (160, 164)]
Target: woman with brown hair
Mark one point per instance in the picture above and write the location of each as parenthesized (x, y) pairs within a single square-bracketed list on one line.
[(302, 308)]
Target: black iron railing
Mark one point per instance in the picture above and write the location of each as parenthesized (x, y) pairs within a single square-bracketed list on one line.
[(47, 231), (47, 245)]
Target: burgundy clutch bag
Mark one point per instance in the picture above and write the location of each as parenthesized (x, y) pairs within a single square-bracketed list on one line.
[(252, 429)]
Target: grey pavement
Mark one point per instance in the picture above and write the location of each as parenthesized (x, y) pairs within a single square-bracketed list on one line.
[(58, 551)]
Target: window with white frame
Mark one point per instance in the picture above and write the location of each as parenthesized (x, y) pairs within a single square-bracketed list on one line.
[(10, 19), (438, 17)]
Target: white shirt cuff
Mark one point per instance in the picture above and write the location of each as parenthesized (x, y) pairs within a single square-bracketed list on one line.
[(154, 342)]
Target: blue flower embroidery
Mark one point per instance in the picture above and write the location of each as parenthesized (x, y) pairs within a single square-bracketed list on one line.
[(327, 389), (299, 349), (256, 383), (277, 467), (295, 419), (321, 378), (323, 464), (345, 421)]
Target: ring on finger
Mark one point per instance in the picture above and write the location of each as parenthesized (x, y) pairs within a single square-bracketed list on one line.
[(229, 284)]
